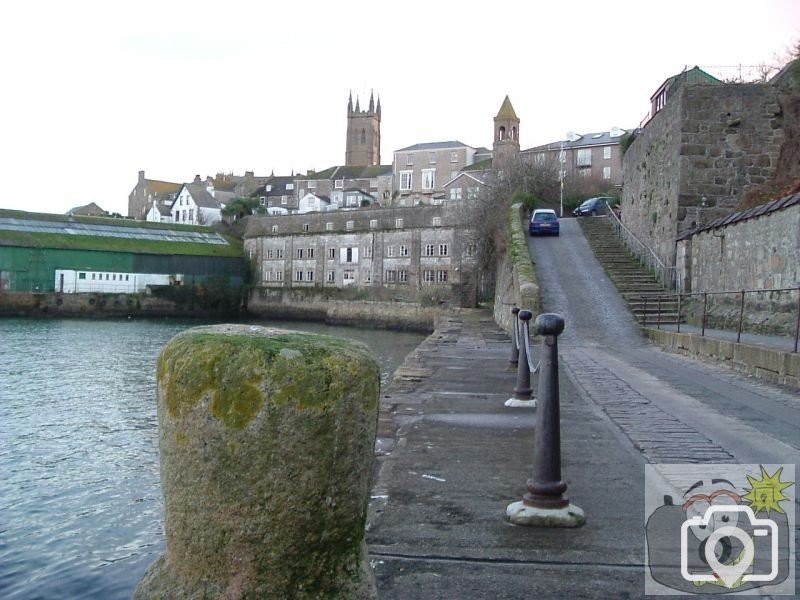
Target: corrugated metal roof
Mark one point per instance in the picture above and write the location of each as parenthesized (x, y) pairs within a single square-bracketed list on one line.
[(744, 215)]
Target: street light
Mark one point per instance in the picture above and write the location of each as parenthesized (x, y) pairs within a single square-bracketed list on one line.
[(562, 159)]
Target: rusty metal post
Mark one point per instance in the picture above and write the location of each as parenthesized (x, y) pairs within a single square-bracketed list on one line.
[(741, 316), (658, 318), (544, 504), (523, 390), (705, 304), (797, 326), (644, 312), (679, 312), (514, 338)]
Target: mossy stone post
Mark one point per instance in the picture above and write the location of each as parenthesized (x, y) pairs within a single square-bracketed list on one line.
[(266, 440)]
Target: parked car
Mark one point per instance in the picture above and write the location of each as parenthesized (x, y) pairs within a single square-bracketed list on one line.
[(593, 206), (544, 221)]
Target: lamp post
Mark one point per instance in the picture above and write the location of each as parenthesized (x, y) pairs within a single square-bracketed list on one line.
[(562, 159)]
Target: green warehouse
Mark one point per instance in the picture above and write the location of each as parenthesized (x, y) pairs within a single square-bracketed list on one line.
[(70, 254)]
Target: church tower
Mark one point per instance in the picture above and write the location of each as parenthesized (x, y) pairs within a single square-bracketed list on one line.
[(363, 134), (506, 138)]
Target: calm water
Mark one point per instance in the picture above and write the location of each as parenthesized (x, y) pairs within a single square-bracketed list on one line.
[(81, 511)]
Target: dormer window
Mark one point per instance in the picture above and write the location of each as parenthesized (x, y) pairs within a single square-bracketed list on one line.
[(269, 188), (289, 186), (339, 184)]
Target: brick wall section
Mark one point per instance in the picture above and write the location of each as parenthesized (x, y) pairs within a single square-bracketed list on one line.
[(711, 142)]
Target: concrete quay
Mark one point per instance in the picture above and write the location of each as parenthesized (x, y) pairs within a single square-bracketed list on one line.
[(452, 457)]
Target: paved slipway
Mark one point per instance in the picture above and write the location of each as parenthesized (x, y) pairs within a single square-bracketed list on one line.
[(451, 456)]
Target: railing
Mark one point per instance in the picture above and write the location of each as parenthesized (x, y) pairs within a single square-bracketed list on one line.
[(645, 254), (665, 301)]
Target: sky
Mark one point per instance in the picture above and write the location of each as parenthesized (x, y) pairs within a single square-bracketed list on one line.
[(94, 91)]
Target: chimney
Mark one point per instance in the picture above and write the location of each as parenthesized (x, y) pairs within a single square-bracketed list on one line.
[(197, 179), (141, 177)]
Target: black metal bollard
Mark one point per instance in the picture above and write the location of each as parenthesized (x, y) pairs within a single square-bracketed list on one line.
[(523, 390), (544, 504), (514, 338)]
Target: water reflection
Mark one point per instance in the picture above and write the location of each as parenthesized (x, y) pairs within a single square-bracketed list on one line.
[(80, 505)]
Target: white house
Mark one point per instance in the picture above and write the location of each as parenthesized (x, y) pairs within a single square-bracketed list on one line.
[(160, 212), (313, 203), (199, 204)]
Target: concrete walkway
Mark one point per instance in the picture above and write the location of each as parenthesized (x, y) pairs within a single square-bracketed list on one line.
[(453, 457)]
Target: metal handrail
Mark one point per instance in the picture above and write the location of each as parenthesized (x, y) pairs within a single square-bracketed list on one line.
[(645, 253), (740, 293)]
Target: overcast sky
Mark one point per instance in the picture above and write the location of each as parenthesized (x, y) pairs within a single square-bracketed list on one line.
[(92, 92)]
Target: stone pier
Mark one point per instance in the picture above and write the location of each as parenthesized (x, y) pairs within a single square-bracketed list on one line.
[(266, 441)]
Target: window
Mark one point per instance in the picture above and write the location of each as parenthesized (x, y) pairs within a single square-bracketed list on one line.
[(373, 184), (298, 276), (409, 160), (269, 188), (444, 250), (432, 158), (298, 253), (310, 253), (367, 277), (583, 157), (93, 274), (403, 250), (349, 275), (289, 186), (113, 277), (373, 223), (607, 152), (262, 200), (367, 251), (436, 201), (81, 275), (606, 172), (349, 225), (455, 193), (390, 251), (351, 200), (402, 276), (398, 223), (274, 229), (301, 193), (191, 214), (106, 276), (437, 221), (331, 277), (270, 253), (348, 255), (279, 253), (339, 184), (430, 250), (306, 227), (473, 193), (284, 199), (328, 226), (402, 201), (331, 253), (428, 178), (428, 276), (390, 277), (278, 275), (454, 156), (405, 180), (472, 249), (312, 185), (267, 275), (441, 276), (309, 275)]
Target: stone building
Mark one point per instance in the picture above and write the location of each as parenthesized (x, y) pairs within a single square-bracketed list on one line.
[(693, 162), (146, 192), (421, 170), (348, 186), (506, 138), (401, 254), (363, 134)]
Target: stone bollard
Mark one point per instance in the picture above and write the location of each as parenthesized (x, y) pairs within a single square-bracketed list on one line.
[(544, 504), (266, 439), (514, 358)]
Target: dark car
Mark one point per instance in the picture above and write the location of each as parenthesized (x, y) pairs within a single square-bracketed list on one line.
[(544, 221), (593, 206)]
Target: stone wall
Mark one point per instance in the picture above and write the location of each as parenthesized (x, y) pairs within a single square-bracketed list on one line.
[(278, 303), (516, 278), (697, 158)]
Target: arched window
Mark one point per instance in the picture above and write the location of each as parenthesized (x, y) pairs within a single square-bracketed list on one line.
[(501, 133), (363, 136), (513, 133)]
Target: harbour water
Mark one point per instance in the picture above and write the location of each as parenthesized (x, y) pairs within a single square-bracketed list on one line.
[(81, 511)]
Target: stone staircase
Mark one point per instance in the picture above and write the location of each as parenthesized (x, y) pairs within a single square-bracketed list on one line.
[(649, 301)]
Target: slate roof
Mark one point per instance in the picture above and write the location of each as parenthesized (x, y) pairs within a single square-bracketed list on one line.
[(162, 187), (204, 199), (481, 165), (600, 138), (88, 210), (277, 185), (345, 172), (434, 146), (743, 215)]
